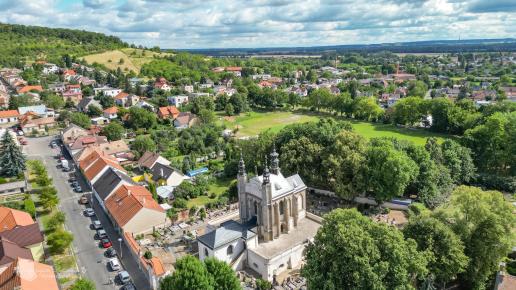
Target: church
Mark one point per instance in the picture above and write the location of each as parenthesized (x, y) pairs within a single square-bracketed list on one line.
[(273, 228)]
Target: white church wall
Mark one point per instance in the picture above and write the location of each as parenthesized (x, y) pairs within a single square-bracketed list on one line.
[(222, 252), (289, 259)]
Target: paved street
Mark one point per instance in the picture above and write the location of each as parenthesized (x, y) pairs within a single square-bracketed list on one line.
[(91, 260)]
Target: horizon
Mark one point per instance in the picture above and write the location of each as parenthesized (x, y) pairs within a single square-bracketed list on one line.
[(271, 23)]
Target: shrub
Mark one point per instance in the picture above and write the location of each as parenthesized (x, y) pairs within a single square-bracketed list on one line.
[(147, 255), (29, 207)]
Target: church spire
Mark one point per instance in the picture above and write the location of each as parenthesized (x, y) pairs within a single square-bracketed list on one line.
[(241, 165), (274, 161), (266, 174)]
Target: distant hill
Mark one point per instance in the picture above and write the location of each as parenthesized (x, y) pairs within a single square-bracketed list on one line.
[(432, 46), (20, 43), (133, 58)]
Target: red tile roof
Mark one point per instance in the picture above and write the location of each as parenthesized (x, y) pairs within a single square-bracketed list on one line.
[(24, 274), (121, 95), (10, 218), (233, 68), (9, 251), (9, 114), (169, 111), (111, 110), (27, 89)]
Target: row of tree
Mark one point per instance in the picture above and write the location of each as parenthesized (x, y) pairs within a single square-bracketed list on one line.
[(462, 242)]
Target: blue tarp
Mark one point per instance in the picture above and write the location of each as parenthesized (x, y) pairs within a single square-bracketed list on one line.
[(195, 172)]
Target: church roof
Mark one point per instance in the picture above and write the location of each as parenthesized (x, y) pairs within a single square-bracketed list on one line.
[(227, 233), (279, 184)]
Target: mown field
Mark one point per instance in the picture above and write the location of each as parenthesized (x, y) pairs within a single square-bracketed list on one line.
[(133, 59), (253, 123)]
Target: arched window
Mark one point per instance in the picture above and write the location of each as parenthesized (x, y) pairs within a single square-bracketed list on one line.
[(281, 207), (230, 250), (206, 252)]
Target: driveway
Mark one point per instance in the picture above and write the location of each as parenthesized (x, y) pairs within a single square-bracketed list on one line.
[(91, 259)]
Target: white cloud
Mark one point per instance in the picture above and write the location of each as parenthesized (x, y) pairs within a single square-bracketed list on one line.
[(258, 23)]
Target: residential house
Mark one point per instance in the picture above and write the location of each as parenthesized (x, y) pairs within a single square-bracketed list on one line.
[(145, 105), (96, 164), (83, 142), (110, 113), (30, 125), (107, 91), (169, 112), (132, 209), (185, 120), (188, 88), (9, 116), (9, 251), (166, 175), (100, 121), (162, 84), (196, 95), (73, 93), (177, 100), (148, 160), (68, 74), (12, 218), (40, 110), (133, 82), (116, 149), (72, 132), (108, 183), (236, 70), (85, 104), (126, 100), (57, 87), (25, 274), (50, 68), (28, 237)]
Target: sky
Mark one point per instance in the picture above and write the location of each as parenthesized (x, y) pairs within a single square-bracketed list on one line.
[(270, 23)]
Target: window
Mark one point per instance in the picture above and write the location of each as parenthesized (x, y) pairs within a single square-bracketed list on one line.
[(206, 252), (255, 265), (281, 205), (230, 250)]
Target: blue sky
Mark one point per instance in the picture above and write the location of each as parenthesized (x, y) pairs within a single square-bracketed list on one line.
[(270, 23)]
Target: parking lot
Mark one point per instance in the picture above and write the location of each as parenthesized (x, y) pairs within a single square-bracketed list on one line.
[(92, 260)]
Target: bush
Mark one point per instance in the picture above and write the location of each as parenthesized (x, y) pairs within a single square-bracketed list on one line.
[(29, 207), (180, 203), (59, 241), (496, 182), (83, 284), (56, 220), (147, 255), (263, 284)]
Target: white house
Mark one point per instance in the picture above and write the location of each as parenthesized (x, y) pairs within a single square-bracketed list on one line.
[(107, 91), (178, 100)]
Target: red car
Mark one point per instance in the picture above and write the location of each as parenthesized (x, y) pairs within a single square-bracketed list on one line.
[(106, 243)]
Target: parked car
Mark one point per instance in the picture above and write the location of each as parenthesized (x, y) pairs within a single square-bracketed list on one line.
[(114, 264), (89, 212), (110, 252), (75, 183), (96, 225), (83, 199), (101, 234), (53, 144), (128, 286), (77, 189), (72, 179), (124, 277), (105, 243)]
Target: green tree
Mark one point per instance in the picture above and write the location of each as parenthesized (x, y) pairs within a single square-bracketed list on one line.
[(417, 89), (447, 258), (113, 131), (12, 160), (223, 275), (230, 111), (263, 284), (29, 206), (83, 284), (56, 220), (350, 251), (94, 111), (54, 101), (80, 119), (409, 111), (48, 197), (143, 143), (484, 222), (366, 109), (190, 274), (141, 118), (458, 160), (388, 171), (206, 116), (59, 241)]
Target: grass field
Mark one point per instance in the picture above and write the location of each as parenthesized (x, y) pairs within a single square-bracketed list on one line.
[(219, 186), (253, 123), (133, 58)]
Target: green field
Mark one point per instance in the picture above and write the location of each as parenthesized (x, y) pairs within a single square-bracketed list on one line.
[(253, 123), (219, 186), (133, 58)]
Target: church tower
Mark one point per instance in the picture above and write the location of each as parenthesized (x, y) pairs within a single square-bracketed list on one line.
[(275, 161), (241, 181), (266, 222)]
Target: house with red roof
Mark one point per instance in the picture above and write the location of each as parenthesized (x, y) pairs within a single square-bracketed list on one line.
[(162, 84), (126, 100), (110, 113), (9, 116), (26, 89), (168, 112)]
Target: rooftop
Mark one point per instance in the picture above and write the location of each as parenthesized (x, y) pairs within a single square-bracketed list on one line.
[(228, 232)]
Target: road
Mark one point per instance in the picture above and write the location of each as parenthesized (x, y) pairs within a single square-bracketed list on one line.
[(91, 260)]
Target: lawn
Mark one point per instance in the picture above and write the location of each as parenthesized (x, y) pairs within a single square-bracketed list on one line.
[(133, 58), (218, 187), (253, 123)]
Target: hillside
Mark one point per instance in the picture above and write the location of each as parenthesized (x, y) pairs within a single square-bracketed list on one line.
[(20, 44), (133, 59)]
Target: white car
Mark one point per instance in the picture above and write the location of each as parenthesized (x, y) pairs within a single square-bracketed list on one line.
[(114, 264), (89, 212)]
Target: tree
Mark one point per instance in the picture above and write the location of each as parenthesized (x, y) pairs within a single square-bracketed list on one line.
[(94, 111), (409, 111), (59, 241), (56, 220), (12, 160), (54, 101), (484, 222), (447, 258), (190, 274), (83, 284), (143, 143), (48, 197), (20, 101), (263, 284), (230, 111), (350, 251), (458, 160), (113, 131), (388, 171), (29, 206), (141, 118), (366, 109), (207, 116), (417, 89), (80, 119), (223, 275)]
